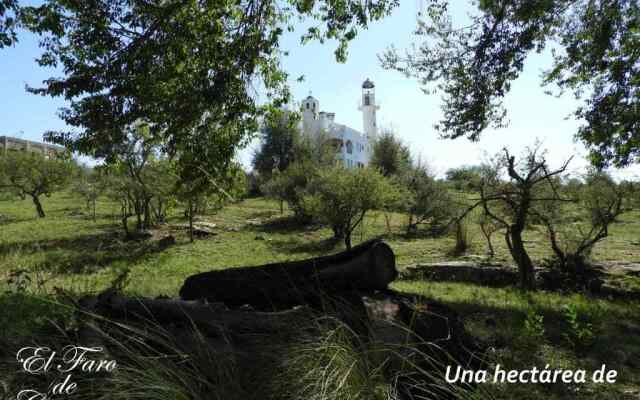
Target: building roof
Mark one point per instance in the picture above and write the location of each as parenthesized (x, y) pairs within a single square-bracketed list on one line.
[(368, 84), (4, 138)]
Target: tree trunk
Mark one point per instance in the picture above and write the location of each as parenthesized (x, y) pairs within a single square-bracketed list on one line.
[(147, 213), (211, 319), (347, 240), (522, 259), (36, 202), (125, 219), (368, 266), (191, 221), (486, 232)]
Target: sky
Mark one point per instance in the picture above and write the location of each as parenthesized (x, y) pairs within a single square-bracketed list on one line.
[(533, 114)]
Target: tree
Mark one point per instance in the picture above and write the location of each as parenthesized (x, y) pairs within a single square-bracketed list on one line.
[(277, 151), (467, 177), (510, 203), (292, 186), (429, 201), (187, 68), (206, 192), (34, 175), (312, 154), (89, 184), (488, 226), (8, 22), (575, 228), (474, 66), (342, 197), (390, 155)]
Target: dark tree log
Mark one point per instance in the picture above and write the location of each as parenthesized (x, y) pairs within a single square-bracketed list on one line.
[(366, 267), (212, 319), (405, 330)]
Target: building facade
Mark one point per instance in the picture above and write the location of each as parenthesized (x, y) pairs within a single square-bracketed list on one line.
[(8, 143), (353, 147)]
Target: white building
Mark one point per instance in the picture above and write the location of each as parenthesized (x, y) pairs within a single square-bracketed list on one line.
[(354, 147)]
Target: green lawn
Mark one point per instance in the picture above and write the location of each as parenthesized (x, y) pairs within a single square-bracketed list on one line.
[(69, 250)]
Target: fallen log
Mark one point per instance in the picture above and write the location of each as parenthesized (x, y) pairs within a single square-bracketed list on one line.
[(366, 267), (212, 319), (417, 337)]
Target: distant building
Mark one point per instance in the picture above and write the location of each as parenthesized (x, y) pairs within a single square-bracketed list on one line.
[(353, 147), (8, 143)]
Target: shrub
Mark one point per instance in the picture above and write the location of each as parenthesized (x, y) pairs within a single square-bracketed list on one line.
[(429, 201), (341, 197)]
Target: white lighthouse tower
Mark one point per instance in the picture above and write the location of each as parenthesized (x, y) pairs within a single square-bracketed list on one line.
[(310, 110), (368, 108)]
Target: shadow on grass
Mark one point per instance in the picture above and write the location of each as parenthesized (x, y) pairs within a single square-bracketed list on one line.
[(287, 224), (84, 254), (404, 236), (6, 220), (318, 248), (613, 327)]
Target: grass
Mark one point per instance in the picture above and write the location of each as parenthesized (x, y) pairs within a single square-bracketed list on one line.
[(69, 250)]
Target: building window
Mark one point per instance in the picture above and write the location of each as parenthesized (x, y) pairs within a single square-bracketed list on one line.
[(366, 100), (307, 106), (349, 147)]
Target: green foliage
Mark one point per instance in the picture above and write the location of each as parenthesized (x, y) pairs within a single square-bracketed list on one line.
[(341, 197), (582, 220), (474, 63), (8, 21), (32, 174), (335, 368), (187, 68), (292, 185), (280, 140), (428, 201), (390, 155), (90, 185), (514, 203), (465, 177), (461, 236), (533, 327), (581, 333)]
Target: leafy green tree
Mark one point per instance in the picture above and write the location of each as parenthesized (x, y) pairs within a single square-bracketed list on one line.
[(512, 202), (575, 227), (34, 175), (278, 148), (292, 186), (474, 65), (161, 174), (312, 153), (342, 197), (8, 22), (187, 68), (390, 155), (428, 201), (202, 192), (467, 177), (90, 185)]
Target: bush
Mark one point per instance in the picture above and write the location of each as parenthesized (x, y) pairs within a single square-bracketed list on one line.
[(465, 178), (291, 186), (578, 223), (429, 201), (341, 197)]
